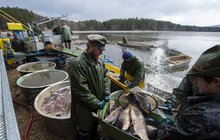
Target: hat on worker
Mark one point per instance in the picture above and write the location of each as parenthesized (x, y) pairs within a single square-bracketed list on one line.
[(207, 64), (98, 41), (127, 55)]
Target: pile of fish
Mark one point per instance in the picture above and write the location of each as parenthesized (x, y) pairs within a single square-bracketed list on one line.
[(58, 103), (132, 116)]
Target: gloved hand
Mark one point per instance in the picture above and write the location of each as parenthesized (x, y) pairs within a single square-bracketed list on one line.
[(169, 107), (130, 86), (167, 121), (164, 129), (106, 98), (121, 78), (101, 104)]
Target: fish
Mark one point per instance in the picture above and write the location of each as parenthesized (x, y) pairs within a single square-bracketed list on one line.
[(124, 119), (138, 122), (112, 105), (131, 98), (123, 99), (113, 116), (143, 102), (151, 131)]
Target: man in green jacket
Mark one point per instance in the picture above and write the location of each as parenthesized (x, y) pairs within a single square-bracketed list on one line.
[(66, 36), (185, 89), (134, 66), (90, 87), (198, 115)]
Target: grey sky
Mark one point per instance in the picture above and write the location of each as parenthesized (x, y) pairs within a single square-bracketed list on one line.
[(185, 12)]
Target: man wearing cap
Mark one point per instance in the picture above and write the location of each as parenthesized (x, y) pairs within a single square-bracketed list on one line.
[(90, 86), (198, 116), (185, 89), (134, 66)]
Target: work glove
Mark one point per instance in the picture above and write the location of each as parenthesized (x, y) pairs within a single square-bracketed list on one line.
[(101, 104), (169, 107), (121, 78), (106, 98), (130, 86), (163, 130), (167, 121)]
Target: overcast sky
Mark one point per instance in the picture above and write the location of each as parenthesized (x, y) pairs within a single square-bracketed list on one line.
[(185, 12)]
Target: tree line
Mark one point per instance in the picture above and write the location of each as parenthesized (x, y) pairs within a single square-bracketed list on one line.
[(27, 16)]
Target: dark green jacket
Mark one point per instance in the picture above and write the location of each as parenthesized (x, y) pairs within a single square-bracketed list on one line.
[(185, 89), (89, 83), (135, 68), (197, 119), (18, 45), (66, 33)]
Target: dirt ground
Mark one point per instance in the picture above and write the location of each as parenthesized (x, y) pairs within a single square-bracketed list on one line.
[(38, 129)]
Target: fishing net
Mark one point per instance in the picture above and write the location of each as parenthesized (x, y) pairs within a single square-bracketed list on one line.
[(144, 98)]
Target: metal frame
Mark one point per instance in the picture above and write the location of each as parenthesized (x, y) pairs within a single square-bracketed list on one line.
[(8, 123)]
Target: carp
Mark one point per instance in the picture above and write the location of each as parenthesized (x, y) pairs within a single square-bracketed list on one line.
[(151, 131), (143, 102), (113, 116), (124, 119), (138, 121), (112, 105)]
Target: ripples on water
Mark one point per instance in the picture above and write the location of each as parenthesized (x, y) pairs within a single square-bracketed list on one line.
[(191, 43)]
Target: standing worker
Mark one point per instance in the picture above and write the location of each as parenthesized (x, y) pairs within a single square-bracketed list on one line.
[(134, 66), (36, 30), (125, 40), (66, 36), (90, 87), (18, 45), (198, 116)]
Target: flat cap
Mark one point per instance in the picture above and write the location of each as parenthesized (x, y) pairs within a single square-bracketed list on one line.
[(97, 40), (207, 64)]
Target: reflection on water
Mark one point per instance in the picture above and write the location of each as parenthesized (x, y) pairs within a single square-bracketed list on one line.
[(191, 43), (43, 78)]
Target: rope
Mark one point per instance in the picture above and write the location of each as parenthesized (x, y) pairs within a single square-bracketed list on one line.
[(30, 110)]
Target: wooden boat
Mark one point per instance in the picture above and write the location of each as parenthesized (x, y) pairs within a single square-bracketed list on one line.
[(136, 45), (176, 61), (114, 74)]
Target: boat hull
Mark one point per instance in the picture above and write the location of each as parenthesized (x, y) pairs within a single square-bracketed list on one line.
[(136, 45)]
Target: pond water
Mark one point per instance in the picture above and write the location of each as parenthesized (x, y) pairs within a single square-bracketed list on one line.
[(190, 43)]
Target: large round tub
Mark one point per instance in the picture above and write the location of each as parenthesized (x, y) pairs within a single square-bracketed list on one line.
[(35, 66), (33, 83)]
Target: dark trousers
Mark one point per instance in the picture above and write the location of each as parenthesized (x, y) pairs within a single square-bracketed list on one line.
[(88, 135), (68, 44)]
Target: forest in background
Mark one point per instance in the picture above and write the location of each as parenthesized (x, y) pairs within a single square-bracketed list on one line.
[(26, 16)]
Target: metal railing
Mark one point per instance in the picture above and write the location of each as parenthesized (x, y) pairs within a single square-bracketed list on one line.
[(8, 123)]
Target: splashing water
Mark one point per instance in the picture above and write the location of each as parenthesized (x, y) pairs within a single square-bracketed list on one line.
[(156, 61), (157, 80)]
